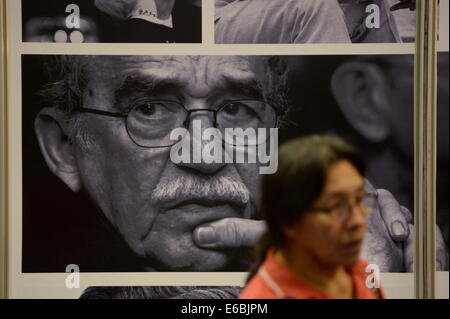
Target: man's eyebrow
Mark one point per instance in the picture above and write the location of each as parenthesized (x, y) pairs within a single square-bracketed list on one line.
[(135, 84), (247, 87)]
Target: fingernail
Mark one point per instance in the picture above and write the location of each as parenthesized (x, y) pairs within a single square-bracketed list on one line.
[(205, 236), (398, 229)]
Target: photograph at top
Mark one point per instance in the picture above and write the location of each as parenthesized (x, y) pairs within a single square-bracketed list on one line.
[(314, 21), (128, 21)]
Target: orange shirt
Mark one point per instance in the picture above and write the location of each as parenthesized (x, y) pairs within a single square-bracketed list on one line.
[(274, 280)]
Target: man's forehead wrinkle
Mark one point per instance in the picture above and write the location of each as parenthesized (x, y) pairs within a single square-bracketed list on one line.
[(139, 81), (198, 75), (113, 64), (249, 87), (119, 66), (167, 70), (137, 85), (111, 73), (237, 66), (232, 70)]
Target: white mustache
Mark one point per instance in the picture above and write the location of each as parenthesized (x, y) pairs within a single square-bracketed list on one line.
[(211, 189)]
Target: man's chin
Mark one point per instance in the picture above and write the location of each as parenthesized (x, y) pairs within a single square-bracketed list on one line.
[(168, 251), (196, 259)]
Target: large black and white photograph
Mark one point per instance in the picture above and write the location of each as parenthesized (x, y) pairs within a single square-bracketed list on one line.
[(224, 149), (123, 21), (105, 187), (314, 21)]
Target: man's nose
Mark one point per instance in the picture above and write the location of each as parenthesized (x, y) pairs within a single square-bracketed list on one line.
[(199, 121)]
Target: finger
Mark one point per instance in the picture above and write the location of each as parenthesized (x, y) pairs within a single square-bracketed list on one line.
[(407, 214), (392, 215), (441, 252), (229, 233), (408, 250), (404, 4), (369, 187), (102, 5), (116, 9), (399, 6)]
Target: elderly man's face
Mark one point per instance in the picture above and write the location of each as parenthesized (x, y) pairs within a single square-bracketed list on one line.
[(153, 203)]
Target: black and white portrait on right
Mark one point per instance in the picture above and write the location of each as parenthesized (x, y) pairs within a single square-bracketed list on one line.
[(124, 21), (102, 189), (314, 21), (370, 104)]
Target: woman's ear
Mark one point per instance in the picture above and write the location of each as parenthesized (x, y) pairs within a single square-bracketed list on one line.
[(361, 92), (51, 127)]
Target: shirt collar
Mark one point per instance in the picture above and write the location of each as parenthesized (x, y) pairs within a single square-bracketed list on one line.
[(293, 287)]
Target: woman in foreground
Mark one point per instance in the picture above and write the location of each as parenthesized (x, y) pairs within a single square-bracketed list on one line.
[(316, 208)]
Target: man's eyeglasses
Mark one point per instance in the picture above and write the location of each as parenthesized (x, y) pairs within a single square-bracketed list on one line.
[(149, 123), (342, 211)]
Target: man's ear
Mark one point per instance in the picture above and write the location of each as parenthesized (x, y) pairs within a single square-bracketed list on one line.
[(361, 92), (51, 127)]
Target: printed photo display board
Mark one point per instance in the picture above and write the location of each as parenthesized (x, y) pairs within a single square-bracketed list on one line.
[(139, 132)]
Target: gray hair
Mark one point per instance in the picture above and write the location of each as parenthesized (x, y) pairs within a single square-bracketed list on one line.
[(163, 292), (67, 80)]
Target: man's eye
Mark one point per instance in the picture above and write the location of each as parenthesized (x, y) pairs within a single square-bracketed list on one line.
[(151, 109), (237, 109), (146, 109)]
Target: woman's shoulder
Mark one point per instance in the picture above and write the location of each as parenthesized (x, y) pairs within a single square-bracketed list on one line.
[(257, 289)]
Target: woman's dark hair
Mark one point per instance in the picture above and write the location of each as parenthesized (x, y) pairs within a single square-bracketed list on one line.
[(298, 182)]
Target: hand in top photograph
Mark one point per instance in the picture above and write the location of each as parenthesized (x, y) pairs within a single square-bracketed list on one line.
[(127, 21)]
